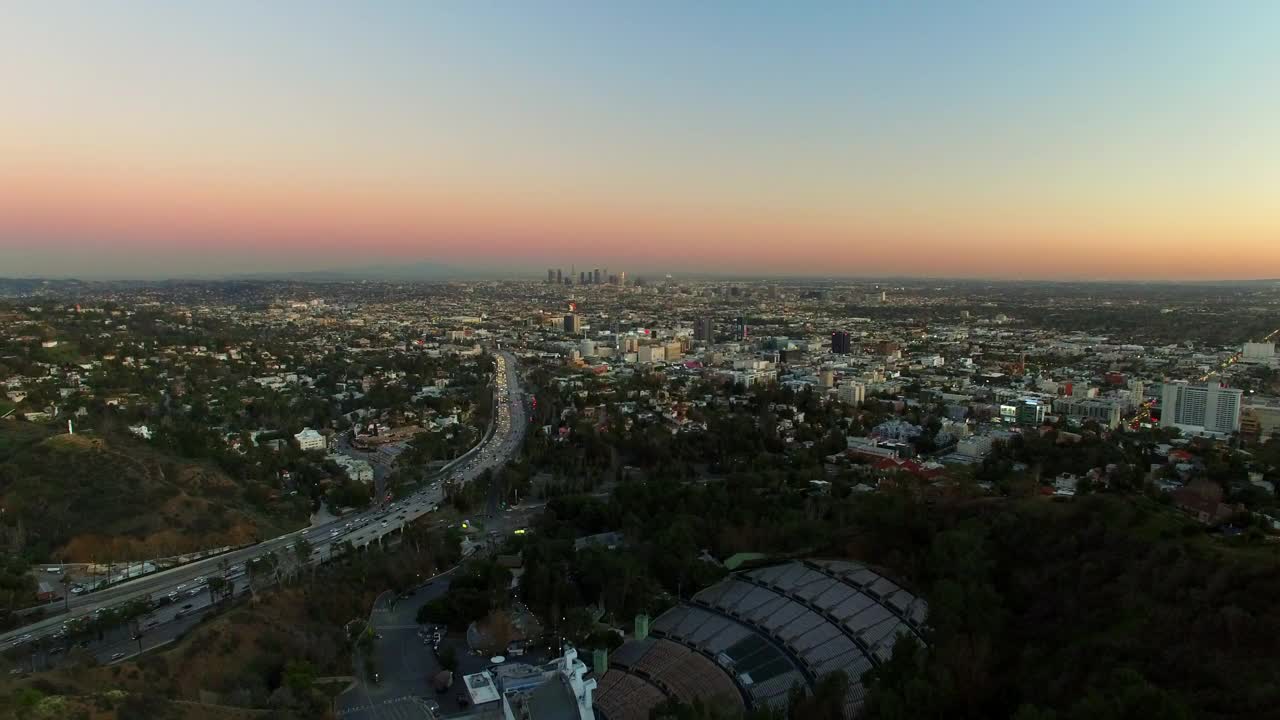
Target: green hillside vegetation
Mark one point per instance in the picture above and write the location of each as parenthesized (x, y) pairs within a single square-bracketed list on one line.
[(84, 498), (1103, 609), (1109, 607)]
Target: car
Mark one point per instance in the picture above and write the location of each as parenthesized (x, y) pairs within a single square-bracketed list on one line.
[(384, 523), (180, 588), (200, 580), (54, 570), (117, 656), (187, 606), (194, 592), (77, 589)]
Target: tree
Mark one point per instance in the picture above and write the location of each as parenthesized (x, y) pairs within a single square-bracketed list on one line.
[(448, 658), (217, 587), (299, 675), (302, 553)]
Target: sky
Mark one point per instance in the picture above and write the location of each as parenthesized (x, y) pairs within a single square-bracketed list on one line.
[(1082, 140)]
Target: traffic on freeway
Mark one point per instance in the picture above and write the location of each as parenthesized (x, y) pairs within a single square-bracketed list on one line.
[(186, 584)]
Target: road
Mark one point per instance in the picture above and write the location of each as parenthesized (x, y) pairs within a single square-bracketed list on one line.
[(1143, 412), (499, 444), (406, 659)]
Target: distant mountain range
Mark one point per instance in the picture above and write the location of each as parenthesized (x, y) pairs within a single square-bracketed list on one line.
[(435, 272), (404, 272)]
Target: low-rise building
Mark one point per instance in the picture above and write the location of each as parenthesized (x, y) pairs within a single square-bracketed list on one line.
[(309, 440)]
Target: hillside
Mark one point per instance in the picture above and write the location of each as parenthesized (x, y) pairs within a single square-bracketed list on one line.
[(82, 498), (1105, 608), (283, 655), (234, 665)]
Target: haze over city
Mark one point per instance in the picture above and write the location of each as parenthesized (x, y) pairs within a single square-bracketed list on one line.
[(1007, 140), (573, 360)]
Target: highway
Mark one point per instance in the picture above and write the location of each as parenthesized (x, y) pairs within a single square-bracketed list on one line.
[(500, 443)]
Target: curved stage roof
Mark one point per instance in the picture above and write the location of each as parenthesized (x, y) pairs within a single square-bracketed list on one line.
[(747, 640)]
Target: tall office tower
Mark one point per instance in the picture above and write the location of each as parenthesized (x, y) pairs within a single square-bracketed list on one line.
[(595, 276), (743, 330), (704, 329), (582, 278), (572, 324), (1207, 407), (551, 276), (559, 276), (622, 277), (840, 342)]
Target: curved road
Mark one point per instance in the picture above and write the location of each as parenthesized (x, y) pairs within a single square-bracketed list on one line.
[(503, 440)]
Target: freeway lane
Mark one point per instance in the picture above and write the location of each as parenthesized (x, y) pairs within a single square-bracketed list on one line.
[(503, 439)]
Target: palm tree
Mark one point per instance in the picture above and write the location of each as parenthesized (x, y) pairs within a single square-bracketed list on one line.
[(253, 569), (66, 594), (302, 553)]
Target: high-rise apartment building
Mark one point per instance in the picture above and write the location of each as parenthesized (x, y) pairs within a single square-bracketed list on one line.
[(1201, 408), (1257, 352)]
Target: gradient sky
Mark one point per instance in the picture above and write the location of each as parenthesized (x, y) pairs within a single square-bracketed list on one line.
[(995, 139)]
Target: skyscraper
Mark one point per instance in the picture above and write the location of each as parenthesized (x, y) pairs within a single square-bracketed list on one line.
[(1203, 408), (704, 329), (551, 276), (572, 324), (840, 342), (559, 276), (595, 276)]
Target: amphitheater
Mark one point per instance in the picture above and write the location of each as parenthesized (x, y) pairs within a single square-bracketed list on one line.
[(747, 640)]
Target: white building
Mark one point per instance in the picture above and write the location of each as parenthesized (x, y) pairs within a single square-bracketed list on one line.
[(356, 469), (309, 439), (1263, 352), (651, 354), (852, 393), (1201, 409), (558, 690)]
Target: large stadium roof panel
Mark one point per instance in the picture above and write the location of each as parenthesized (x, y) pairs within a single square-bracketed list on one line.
[(767, 629)]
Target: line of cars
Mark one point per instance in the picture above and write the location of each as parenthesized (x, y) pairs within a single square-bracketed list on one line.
[(191, 589)]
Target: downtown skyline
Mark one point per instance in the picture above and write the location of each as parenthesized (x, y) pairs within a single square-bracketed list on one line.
[(1097, 141)]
